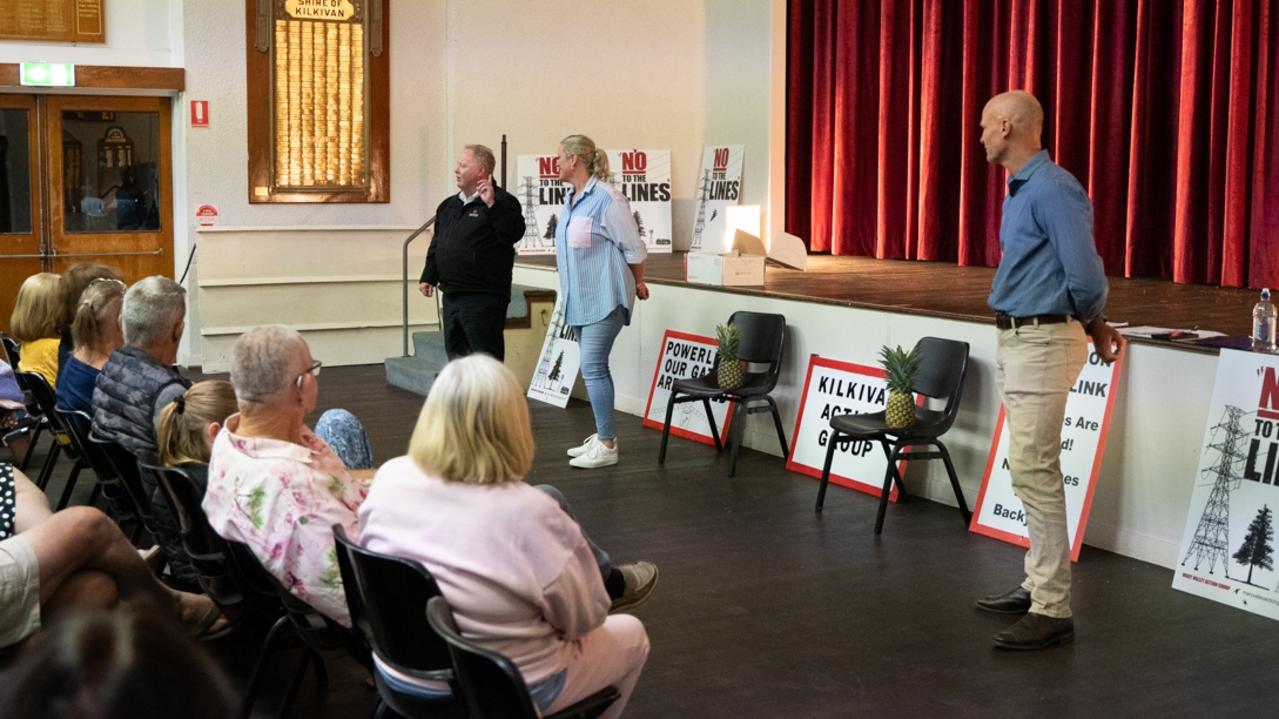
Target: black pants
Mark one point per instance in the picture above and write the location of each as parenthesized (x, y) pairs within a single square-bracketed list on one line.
[(473, 322)]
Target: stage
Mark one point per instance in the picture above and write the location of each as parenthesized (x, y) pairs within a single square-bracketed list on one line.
[(947, 291), (846, 308)]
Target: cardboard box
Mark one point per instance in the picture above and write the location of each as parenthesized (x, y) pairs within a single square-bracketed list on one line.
[(741, 266), (727, 270)]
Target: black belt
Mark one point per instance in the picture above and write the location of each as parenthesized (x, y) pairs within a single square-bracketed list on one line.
[(1007, 322)]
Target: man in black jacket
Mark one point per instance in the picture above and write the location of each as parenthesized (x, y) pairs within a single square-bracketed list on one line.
[(471, 256)]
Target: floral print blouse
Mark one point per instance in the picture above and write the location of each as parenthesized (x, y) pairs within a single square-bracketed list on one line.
[(282, 500)]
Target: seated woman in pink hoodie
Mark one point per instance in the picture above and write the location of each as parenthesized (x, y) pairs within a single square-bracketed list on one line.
[(515, 568)]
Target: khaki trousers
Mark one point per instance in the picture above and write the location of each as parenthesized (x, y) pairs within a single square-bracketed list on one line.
[(1035, 366)]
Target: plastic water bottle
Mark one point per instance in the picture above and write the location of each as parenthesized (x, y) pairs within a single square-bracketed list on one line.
[(1263, 324)]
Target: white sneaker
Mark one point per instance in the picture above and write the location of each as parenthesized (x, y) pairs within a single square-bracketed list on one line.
[(596, 455), (580, 449)]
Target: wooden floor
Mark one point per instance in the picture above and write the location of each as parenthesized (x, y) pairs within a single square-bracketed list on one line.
[(765, 609), (943, 289)]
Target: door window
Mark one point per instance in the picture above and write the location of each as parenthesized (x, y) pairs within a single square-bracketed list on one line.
[(109, 171)]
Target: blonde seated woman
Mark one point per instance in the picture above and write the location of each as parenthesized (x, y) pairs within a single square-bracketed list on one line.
[(34, 324), (520, 576), (96, 333), (187, 426)]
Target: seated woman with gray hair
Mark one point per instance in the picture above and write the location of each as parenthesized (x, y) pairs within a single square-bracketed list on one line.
[(279, 487), (517, 570)]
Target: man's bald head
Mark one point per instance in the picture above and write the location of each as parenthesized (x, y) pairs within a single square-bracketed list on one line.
[(1011, 125), (1021, 109)]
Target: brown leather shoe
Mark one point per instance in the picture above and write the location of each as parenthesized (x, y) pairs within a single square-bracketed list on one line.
[(1036, 631), (1015, 602)]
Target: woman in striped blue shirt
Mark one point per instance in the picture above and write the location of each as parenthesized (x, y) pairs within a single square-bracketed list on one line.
[(601, 263)]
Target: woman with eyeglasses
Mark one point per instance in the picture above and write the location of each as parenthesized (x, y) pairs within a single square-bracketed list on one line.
[(96, 332), (276, 485)]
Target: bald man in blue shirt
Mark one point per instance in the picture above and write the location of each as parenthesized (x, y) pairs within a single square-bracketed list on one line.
[(1048, 295)]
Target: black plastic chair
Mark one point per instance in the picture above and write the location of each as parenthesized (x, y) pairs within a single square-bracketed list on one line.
[(761, 339), (44, 398), (943, 365), (208, 552), (387, 599), (12, 350), (492, 685), (121, 504), (37, 422), (316, 632), (124, 466)]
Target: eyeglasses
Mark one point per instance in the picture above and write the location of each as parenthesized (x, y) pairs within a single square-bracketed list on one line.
[(107, 279), (313, 370)]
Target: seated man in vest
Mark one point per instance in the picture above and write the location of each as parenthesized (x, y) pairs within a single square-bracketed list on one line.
[(136, 383), (139, 379)]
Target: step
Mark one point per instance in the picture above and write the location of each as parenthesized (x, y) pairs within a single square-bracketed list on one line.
[(415, 374), (428, 343)]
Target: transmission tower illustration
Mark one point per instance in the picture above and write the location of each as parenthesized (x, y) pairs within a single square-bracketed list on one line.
[(555, 330), (700, 224), (1212, 535), (532, 232)]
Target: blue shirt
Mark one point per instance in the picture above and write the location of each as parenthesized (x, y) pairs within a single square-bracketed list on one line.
[(595, 239), (75, 386), (1050, 264)]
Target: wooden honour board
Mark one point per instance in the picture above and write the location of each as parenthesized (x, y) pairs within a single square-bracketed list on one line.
[(53, 20)]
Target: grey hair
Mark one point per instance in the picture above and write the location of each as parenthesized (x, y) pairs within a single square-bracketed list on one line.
[(484, 156), (595, 159), (260, 362), (153, 307)]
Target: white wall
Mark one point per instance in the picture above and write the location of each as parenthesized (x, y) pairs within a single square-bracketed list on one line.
[(675, 74), (264, 235), (138, 32)]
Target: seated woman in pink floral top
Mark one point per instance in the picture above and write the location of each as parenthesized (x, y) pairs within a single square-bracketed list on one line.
[(273, 483)]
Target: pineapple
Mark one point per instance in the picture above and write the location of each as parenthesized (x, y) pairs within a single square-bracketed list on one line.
[(900, 367), (730, 374)]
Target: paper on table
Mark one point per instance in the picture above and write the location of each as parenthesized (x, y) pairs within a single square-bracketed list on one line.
[(1149, 332)]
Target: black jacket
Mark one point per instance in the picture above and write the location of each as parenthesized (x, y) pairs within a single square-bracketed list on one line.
[(473, 249)]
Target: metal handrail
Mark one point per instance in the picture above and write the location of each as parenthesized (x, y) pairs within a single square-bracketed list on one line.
[(404, 268)]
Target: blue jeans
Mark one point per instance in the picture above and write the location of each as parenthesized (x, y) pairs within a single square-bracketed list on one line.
[(596, 342), (346, 437)]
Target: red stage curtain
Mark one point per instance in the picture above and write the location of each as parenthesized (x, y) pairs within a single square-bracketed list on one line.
[(1166, 110)]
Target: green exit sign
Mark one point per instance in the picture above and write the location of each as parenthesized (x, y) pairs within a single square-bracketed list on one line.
[(47, 74)]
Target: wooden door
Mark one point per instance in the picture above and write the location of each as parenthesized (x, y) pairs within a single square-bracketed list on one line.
[(110, 183), (21, 224)]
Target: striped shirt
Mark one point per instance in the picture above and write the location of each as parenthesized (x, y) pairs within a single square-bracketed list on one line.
[(595, 240)]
